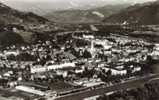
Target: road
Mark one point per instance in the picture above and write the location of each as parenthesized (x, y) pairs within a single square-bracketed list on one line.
[(126, 85)]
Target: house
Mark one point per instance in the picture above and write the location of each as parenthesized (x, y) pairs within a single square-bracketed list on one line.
[(60, 66), (88, 36), (136, 69), (38, 69), (116, 72), (61, 72), (8, 53)]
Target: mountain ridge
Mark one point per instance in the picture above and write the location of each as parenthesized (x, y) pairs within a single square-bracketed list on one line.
[(143, 14), (10, 15), (84, 16)]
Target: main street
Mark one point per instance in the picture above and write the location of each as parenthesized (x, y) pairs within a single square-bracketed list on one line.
[(120, 86)]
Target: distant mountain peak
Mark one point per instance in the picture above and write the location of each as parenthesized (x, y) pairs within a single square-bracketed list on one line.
[(84, 16), (146, 14)]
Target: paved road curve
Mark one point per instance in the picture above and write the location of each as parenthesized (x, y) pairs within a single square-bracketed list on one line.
[(126, 85)]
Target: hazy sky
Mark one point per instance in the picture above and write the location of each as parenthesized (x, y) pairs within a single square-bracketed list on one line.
[(75, 0)]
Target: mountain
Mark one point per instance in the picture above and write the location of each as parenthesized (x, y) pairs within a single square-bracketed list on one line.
[(145, 14), (11, 16), (42, 7), (85, 16), (17, 27)]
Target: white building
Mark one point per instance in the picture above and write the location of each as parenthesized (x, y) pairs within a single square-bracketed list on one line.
[(136, 69), (88, 36), (116, 72), (38, 69), (60, 66), (30, 90)]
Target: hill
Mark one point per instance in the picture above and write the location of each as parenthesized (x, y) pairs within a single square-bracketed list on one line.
[(11, 16), (85, 16), (143, 14), (17, 27)]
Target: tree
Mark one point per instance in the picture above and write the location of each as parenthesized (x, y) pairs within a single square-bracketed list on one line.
[(87, 54)]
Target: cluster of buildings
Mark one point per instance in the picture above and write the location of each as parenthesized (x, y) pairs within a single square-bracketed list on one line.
[(47, 70)]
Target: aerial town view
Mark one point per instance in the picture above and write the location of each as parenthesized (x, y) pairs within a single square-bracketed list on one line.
[(79, 50)]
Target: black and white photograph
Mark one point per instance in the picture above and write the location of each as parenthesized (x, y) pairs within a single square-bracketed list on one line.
[(79, 49)]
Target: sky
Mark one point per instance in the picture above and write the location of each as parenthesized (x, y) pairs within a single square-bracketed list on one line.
[(64, 0), (113, 1)]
